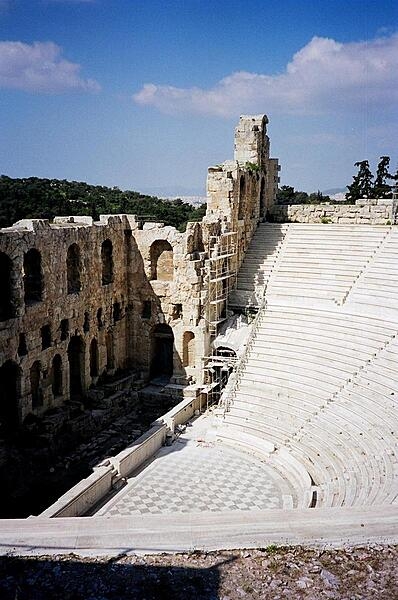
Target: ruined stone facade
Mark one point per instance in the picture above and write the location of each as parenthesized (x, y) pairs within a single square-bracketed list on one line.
[(82, 301)]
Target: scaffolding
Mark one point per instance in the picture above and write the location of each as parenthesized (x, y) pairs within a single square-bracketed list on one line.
[(217, 369), (221, 272)]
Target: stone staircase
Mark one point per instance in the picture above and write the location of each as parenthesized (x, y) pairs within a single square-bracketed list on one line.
[(257, 266)]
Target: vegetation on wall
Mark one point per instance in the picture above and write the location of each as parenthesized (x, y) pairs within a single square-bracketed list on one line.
[(34, 198)]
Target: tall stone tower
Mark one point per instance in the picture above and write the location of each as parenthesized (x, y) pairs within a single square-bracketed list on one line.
[(251, 140)]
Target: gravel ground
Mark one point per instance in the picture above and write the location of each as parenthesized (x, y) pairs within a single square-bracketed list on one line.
[(272, 573)]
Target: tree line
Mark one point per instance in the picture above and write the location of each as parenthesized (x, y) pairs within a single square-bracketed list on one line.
[(365, 185), (288, 195), (37, 198)]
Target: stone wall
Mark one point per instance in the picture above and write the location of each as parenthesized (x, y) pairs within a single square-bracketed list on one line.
[(365, 212), (82, 300)]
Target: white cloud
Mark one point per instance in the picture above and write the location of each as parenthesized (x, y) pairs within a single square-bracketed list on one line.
[(39, 67), (323, 76)]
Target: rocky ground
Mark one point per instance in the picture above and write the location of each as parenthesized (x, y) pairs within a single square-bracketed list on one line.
[(272, 573)]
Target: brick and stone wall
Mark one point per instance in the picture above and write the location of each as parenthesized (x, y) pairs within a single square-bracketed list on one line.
[(365, 212)]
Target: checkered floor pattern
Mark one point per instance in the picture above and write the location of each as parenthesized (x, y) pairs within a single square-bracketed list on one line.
[(194, 477)]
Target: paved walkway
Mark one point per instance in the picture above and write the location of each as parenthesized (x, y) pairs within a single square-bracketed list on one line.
[(197, 474), (147, 534)]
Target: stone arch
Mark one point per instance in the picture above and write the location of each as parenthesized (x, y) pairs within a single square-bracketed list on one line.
[(107, 262), (10, 390), (73, 269), (35, 384), (188, 349), (33, 278), (162, 348), (263, 206), (76, 366), (242, 195), (94, 359), (56, 376), (6, 292), (161, 257), (110, 351)]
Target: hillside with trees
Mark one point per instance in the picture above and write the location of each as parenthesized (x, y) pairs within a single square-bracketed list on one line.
[(34, 198)]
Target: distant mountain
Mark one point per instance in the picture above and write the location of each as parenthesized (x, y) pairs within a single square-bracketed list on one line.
[(193, 200), (332, 191), (175, 191)]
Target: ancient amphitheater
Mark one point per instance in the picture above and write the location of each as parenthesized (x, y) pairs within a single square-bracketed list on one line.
[(273, 327)]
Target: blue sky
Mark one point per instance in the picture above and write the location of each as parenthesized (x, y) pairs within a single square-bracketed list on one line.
[(145, 94)]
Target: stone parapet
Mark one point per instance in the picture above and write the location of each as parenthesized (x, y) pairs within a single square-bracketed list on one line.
[(364, 212)]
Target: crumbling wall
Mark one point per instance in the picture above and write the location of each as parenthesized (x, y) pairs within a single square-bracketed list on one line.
[(65, 320), (242, 191), (178, 296), (82, 300)]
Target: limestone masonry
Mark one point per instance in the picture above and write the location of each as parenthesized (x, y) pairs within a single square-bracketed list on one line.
[(264, 338), (83, 300)]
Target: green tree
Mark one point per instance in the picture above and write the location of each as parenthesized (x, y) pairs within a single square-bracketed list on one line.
[(394, 185), (36, 198), (361, 186), (381, 188), (285, 195)]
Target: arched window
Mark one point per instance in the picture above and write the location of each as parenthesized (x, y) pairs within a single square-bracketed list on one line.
[(110, 351), (35, 384), (56, 376), (6, 304), (73, 269), (242, 194), (33, 279), (9, 394), (86, 322), (162, 344), (107, 262), (161, 256), (188, 349), (94, 358), (76, 366)]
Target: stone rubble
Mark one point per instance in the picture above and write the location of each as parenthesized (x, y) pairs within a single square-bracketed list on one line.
[(273, 573)]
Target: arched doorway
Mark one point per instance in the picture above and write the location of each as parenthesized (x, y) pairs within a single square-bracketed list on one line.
[(242, 198), (162, 351), (110, 351), (73, 269), (76, 366), (56, 376), (188, 349), (94, 358), (6, 304), (33, 278), (9, 394), (107, 262), (263, 207), (35, 384)]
